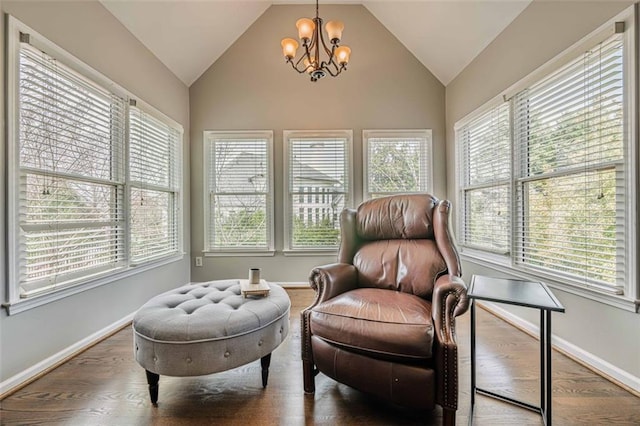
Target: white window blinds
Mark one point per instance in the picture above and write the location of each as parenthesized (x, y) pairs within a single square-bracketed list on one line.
[(484, 146), (71, 173), (318, 189), (571, 186), (397, 162), (155, 180), (240, 191)]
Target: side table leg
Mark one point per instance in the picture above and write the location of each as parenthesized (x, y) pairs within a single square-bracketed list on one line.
[(265, 361), (548, 366), (543, 363), (473, 359)]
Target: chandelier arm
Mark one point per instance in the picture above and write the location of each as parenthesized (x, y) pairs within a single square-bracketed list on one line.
[(317, 41), (328, 51), (326, 66), (331, 73), (331, 61), (334, 72), (308, 46), (304, 55), (295, 66)]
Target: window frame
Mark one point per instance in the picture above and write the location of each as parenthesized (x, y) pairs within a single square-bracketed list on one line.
[(524, 177), (630, 299), (463, 188), (175, 189), (15, 301), (287, 135), (427, 162), (207, 140)]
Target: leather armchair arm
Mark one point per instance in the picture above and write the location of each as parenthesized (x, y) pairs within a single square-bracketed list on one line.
[(449, 301), (331, 280), (328, 281)]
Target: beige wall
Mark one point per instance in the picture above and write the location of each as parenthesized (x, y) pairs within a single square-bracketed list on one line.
[(542, 31), (251, 88), (88, 31)]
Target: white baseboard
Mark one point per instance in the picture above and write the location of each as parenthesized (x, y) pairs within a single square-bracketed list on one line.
[(24, 377), (589, 360)]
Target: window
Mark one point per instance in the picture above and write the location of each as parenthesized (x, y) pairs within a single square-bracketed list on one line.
[(154, 171), (71, 174), (570, 188), (239, 184), (68, 191), (484, 148), (318, 185), (396, 161), (548, 178)]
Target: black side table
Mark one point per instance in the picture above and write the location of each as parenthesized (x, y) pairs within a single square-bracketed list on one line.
[(531, 294)]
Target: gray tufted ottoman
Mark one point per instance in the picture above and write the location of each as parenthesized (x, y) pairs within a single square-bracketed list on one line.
[(208, 327)]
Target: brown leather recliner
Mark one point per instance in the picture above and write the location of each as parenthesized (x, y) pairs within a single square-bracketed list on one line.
[(383, 320)]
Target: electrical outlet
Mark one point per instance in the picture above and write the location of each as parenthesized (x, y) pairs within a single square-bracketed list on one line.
[(198, 261)]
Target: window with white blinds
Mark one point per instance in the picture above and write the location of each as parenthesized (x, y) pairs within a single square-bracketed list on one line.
[(94, 183), (155, 175), (570, 145), (317, 187), (238, 173), (396, 162), (484, 165), (547, 179), (71, 175)]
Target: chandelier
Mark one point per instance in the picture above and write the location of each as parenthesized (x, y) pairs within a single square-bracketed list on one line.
[(312, 38)]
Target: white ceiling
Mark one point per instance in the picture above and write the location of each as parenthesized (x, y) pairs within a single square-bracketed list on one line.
[(444, 35)]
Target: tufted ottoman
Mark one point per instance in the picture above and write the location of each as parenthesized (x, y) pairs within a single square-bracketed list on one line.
[(208, 327)]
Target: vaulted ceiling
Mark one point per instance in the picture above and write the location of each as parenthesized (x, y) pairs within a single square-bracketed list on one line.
[(190, 35)]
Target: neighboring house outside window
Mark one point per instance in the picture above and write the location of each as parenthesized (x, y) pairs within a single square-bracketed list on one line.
[(239, 184), (551, 186), (68, 192), (396, 162), (318, 188)]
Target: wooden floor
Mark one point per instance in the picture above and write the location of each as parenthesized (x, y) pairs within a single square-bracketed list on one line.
[(105, 386)]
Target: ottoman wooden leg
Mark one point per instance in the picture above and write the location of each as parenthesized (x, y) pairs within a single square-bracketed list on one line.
[(265, 361), (153, 379)]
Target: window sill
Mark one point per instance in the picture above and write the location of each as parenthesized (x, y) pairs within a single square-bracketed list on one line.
[(311, 252), (499, 264), (21, 305), (240, 253)]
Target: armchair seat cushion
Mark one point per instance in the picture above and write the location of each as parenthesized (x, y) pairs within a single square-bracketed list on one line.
[(380, 323)]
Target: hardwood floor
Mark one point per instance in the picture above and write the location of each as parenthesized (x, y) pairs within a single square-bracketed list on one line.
[(105, 386)]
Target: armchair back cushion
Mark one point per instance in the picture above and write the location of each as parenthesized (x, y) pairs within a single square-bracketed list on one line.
[(394, 246), (400, 217)]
